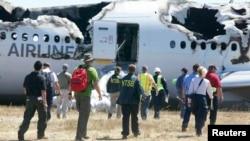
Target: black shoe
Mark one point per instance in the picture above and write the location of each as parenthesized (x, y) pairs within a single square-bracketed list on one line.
[(124, 137), (78, 139), (137, 134), (43, 137), (109, 116), (212, 123), (198, 133), (85, 137), (184, 129), (20, 137)]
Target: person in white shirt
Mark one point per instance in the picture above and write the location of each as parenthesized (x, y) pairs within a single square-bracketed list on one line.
[(52, 88), (199, 87)]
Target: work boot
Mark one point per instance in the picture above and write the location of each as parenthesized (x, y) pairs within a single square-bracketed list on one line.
[(20, 136), (109, 116)]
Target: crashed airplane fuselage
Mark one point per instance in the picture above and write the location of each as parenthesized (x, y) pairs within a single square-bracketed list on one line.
[(166, 34)]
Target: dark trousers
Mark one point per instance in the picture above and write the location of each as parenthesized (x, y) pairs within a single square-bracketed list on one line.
[(151, 104), (200, 110), (83, 107), (127, 111), (33, 105), (158, 103), (213, 113), (49, 98), (187, 113), (49, 112)]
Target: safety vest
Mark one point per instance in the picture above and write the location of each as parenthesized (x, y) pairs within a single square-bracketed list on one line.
[(146, 82), (159, 84)]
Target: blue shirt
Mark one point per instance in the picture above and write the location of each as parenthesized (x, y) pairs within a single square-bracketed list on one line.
[(187, 81)]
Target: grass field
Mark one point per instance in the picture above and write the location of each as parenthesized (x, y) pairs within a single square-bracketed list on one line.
[(167, 128)]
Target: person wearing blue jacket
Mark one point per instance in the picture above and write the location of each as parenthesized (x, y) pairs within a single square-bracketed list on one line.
[(129, 99), (113, 88)]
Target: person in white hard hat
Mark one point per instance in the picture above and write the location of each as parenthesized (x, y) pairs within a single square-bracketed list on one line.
[(162, 92)]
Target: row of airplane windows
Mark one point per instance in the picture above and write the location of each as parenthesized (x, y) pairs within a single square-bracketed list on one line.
[(203, 45), (78, 40), (35, 37)]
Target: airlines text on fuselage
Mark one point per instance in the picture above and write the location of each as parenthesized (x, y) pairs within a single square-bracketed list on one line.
[(27, 50)]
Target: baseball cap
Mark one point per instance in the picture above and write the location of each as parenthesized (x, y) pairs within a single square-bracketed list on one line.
[(212, 66), (184, 70)]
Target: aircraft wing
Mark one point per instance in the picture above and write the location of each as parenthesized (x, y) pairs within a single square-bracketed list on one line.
[(237, 79)]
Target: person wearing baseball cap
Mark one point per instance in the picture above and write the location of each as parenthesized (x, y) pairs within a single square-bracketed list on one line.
[(179, 88), (83, 98), (218, 94), (64, 78)]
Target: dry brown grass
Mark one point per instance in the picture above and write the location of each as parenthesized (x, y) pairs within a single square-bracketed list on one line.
[(168, 128)]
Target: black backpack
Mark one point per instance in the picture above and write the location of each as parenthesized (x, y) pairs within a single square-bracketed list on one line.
[(49, 88), (47, 79)]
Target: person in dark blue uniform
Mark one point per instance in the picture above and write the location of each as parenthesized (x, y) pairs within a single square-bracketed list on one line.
[(35, 89), (129, 99)]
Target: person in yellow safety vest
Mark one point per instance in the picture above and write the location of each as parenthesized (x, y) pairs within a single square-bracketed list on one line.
[(159, 98), (147, 82)]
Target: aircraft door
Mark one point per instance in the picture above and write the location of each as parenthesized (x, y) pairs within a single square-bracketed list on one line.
[(104, 40)]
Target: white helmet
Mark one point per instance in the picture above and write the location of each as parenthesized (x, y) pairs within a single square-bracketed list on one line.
[(157, 69)]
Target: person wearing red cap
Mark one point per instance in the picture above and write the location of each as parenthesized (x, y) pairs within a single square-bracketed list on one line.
[(216, 83)]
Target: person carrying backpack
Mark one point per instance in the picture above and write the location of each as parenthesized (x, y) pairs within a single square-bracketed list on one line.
[(83, 94), (52, 87)]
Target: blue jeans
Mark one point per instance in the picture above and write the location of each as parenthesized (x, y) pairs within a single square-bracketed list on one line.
[(144, 106)]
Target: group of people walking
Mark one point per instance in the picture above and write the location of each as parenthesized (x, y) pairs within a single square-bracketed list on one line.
[(196, 91), (129, 94), (39, 97), (133, 93)]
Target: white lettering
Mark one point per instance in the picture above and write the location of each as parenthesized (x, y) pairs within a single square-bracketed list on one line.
[(216, 132)]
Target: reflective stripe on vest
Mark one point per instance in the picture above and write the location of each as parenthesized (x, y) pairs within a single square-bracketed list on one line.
[(145, 82), (159, 84)]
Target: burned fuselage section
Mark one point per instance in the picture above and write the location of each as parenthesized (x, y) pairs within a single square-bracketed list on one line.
[(220, 25)]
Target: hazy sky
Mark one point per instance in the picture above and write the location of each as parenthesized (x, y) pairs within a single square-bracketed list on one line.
[(47, 3)]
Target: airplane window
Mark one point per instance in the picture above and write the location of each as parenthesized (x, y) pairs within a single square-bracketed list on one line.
[(35, 37), (67, 39), (193, 45), (203, 45), (56, 38), (213, 46), (234, 46), (172, 44), (46, 38), (223, 46), (25, 37), (3, 35), (183, 44), (14, 36), (78, 40)]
